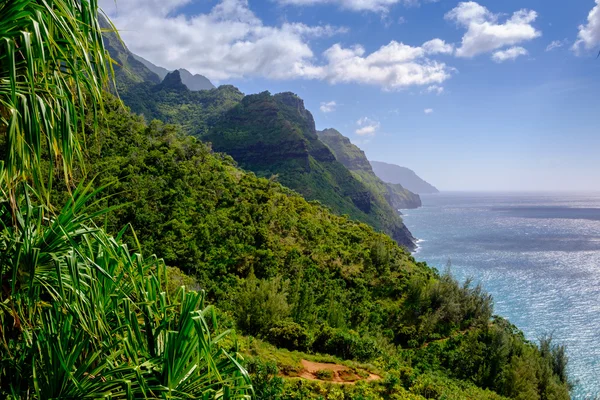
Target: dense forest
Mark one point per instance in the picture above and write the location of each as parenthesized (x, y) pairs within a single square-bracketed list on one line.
[(303, 281), (117, 233)]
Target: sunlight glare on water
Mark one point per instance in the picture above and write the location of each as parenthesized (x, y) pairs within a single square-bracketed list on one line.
[(538, 255)]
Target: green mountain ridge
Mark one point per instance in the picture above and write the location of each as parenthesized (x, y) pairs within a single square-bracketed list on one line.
[(406, 177), (276, 135), (128, 70), (268, 135), (194, 82), (353, 158)]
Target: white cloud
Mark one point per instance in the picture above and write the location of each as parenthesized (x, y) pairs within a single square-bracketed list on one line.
[(357, 5), (328, 106), (484, 31), (428, 111), (232, 42), (589, 34), (435, 89), (509, 54), (556, 44), (438, 46), (228, 42), (394, 66), (367, 127)]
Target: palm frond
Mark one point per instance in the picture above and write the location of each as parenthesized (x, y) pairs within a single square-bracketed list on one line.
[(83, 317), (52, 63)]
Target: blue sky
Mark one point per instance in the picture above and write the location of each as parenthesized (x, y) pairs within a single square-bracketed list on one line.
[(486, 95)]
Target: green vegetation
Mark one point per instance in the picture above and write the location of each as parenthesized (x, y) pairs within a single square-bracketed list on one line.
[(81, 315), (275, 135), (85, 316), (292, 273), (172, 102), (355, 160), (270, 136)]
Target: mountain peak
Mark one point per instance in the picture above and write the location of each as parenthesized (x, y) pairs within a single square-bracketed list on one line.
[(173, 82), (290, 99), (195, 82)]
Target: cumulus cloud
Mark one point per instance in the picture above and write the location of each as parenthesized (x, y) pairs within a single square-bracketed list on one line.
[(393, 66), (589, 34), (428, 111), (367, 127), (230, 41), (328, 106), (485, 32), (509, 54), (357, 5)]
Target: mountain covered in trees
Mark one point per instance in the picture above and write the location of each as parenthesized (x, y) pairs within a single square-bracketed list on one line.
[(88, 312), (298, 282), (273, 136), (403, 176), (356, 161)]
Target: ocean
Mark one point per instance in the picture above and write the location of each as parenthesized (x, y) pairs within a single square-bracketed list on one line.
[(537, 254)]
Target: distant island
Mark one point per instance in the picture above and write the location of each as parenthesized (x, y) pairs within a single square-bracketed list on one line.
[(396, 174)]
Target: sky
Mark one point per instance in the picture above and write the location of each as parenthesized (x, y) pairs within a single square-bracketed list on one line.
[(478, 95)]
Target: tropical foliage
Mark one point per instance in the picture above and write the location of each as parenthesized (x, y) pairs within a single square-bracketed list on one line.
[(52, 61), (85, 315), (296, 275), (81, 315)]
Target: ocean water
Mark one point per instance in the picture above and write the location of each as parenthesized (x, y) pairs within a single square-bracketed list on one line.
[(537, 254)]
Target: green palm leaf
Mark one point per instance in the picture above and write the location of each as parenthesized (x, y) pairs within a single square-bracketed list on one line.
[(52, 63)]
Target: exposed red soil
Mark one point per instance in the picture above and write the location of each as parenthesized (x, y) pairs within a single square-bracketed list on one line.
[(340, 373)]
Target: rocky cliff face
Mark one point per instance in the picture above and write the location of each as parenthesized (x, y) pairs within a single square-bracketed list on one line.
[(276, 135), (356, 161)]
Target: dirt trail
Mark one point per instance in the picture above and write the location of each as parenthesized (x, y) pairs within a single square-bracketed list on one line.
[(340, 373)]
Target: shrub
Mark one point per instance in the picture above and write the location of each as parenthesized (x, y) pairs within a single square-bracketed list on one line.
[(324, 374), (267, 385), (177, 278), (346, 344), (289, 335), (259, 304)]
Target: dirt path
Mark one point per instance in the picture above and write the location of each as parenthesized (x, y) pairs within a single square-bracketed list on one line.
[(340, 374)]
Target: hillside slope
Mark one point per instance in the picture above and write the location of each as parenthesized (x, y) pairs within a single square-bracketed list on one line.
[(128, 70), (269, 135), (403, 176), (355, 160), (276, 135), (309, 282)]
